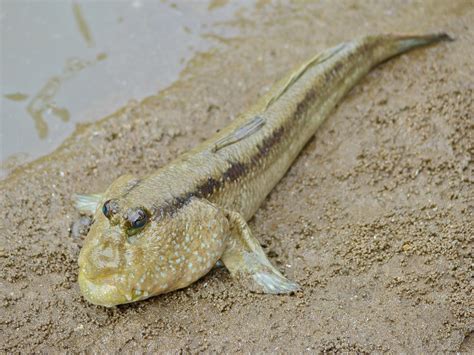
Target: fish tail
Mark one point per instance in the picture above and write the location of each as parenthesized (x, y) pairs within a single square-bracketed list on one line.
[(407, 42), (390, 45)]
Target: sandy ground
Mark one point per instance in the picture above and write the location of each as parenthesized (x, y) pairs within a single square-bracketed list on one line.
[(374, 219)]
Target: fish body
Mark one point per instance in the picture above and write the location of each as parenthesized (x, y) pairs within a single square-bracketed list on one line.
[(162, 232)]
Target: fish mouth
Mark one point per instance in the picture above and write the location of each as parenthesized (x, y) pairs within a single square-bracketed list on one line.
[(103, 293)]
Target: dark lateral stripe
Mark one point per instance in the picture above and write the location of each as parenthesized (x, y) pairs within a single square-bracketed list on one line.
[(238, 169), (303, 106), (169, 208), (269, 142), (235, 171), (208, 188)]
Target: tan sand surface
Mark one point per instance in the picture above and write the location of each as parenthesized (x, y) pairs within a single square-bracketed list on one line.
[(374, 219)]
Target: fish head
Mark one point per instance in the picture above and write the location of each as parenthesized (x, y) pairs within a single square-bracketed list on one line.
[(135, 250)]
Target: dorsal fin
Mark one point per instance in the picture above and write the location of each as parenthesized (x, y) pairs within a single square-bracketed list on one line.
[(257, 122), (240, 133), (318, 59)]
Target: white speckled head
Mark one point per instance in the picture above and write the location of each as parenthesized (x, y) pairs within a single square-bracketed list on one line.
[(132, 252)]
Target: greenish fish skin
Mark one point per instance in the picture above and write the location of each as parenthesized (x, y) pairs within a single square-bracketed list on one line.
[(162, 232)]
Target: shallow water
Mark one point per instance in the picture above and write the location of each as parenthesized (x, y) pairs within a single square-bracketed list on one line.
[(68, 62)]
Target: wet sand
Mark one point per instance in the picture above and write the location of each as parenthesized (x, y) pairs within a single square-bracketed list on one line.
[(374, 219), (94, 57)]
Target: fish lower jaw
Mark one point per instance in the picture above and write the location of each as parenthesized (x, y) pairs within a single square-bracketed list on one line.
[(102, 294)]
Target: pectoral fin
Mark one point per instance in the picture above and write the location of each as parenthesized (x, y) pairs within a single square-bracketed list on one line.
[(87, 203), (248, 263)]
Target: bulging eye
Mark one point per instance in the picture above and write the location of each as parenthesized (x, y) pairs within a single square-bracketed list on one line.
[(137, 218), (109, 208)]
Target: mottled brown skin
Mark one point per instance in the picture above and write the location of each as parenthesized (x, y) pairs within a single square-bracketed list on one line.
[(197, 206)]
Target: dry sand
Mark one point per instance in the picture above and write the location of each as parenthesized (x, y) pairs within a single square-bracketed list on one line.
[(374, 219)]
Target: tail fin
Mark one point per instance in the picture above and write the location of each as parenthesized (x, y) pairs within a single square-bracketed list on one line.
[(407, 42), (387, 46)]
